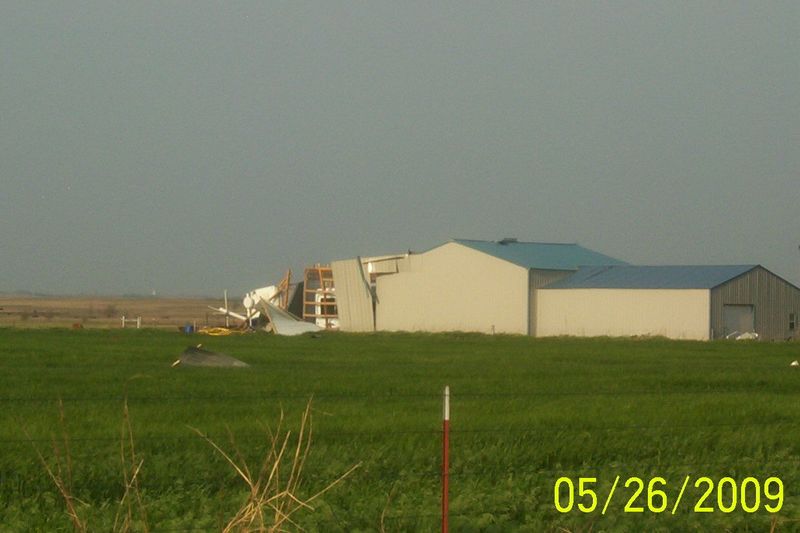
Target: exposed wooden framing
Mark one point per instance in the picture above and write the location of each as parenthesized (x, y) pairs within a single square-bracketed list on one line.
[(319, 296), (282, 296)]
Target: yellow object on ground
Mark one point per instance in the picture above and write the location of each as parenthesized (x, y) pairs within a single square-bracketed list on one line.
[(219, 331)]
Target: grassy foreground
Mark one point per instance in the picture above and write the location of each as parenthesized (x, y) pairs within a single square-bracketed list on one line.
[(525, 412)]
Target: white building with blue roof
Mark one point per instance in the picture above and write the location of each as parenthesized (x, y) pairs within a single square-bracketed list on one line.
[(551, 289), (472, 285)]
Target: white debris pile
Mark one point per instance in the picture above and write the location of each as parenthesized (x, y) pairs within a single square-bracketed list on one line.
[(739, 336)]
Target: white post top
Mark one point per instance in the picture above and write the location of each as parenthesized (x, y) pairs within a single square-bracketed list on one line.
[(446, 412)]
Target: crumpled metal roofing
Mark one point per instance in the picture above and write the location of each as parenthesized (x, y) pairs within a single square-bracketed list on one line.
[(542, 255), (651, 277)]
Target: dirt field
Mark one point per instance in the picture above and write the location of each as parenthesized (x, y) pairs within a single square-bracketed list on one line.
[(106, 312)]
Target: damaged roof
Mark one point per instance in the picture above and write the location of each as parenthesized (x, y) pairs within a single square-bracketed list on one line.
[(542, 255)]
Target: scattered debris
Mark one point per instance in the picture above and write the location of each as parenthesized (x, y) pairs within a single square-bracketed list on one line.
[(252, 318), (739, 336), (197, 356), (282, 322), (218, 332), (795, 363), (265, 308)]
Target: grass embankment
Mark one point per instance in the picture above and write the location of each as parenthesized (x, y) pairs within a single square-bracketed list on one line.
[(524, 412)]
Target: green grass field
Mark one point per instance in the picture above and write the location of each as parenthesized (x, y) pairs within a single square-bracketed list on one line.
[(525, 412)]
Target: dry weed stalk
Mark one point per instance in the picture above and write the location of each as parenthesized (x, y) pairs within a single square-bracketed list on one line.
[(386, 507), (131, 501), (273, 495), (775, 522), (61, 474), (273, 498)]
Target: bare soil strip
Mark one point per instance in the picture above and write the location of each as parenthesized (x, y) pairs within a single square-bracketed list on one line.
[(106, 312)]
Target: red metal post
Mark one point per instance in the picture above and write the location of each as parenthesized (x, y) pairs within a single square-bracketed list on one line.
[(445, 459)]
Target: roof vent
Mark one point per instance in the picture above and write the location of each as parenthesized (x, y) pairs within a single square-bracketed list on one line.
[(507, 240)]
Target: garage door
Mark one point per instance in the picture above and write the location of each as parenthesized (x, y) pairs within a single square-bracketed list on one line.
[(738, 318)]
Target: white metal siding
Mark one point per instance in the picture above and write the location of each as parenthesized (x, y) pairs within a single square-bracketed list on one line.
[(677, 314), (538, 279), (353, 296), (454, 288)]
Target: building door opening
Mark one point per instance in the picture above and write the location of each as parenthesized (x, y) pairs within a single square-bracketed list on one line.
[(738, 318)]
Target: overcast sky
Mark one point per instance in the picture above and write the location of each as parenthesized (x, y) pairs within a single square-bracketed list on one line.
[(188, 147)]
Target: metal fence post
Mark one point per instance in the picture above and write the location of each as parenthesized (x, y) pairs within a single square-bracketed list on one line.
[(445, 459)]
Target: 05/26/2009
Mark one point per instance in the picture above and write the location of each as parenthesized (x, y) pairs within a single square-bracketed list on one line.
[(726, 495)]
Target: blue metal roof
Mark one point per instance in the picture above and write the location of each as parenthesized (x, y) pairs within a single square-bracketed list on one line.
[(651, 277), (542, 255)]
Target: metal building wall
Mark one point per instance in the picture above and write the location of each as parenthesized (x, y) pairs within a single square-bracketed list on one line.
[(454, 288), (384, 265), (353, 296), (672, 313), (772, 298), (536, 280)]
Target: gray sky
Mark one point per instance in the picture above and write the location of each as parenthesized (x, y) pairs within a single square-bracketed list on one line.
[(188, 147)]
